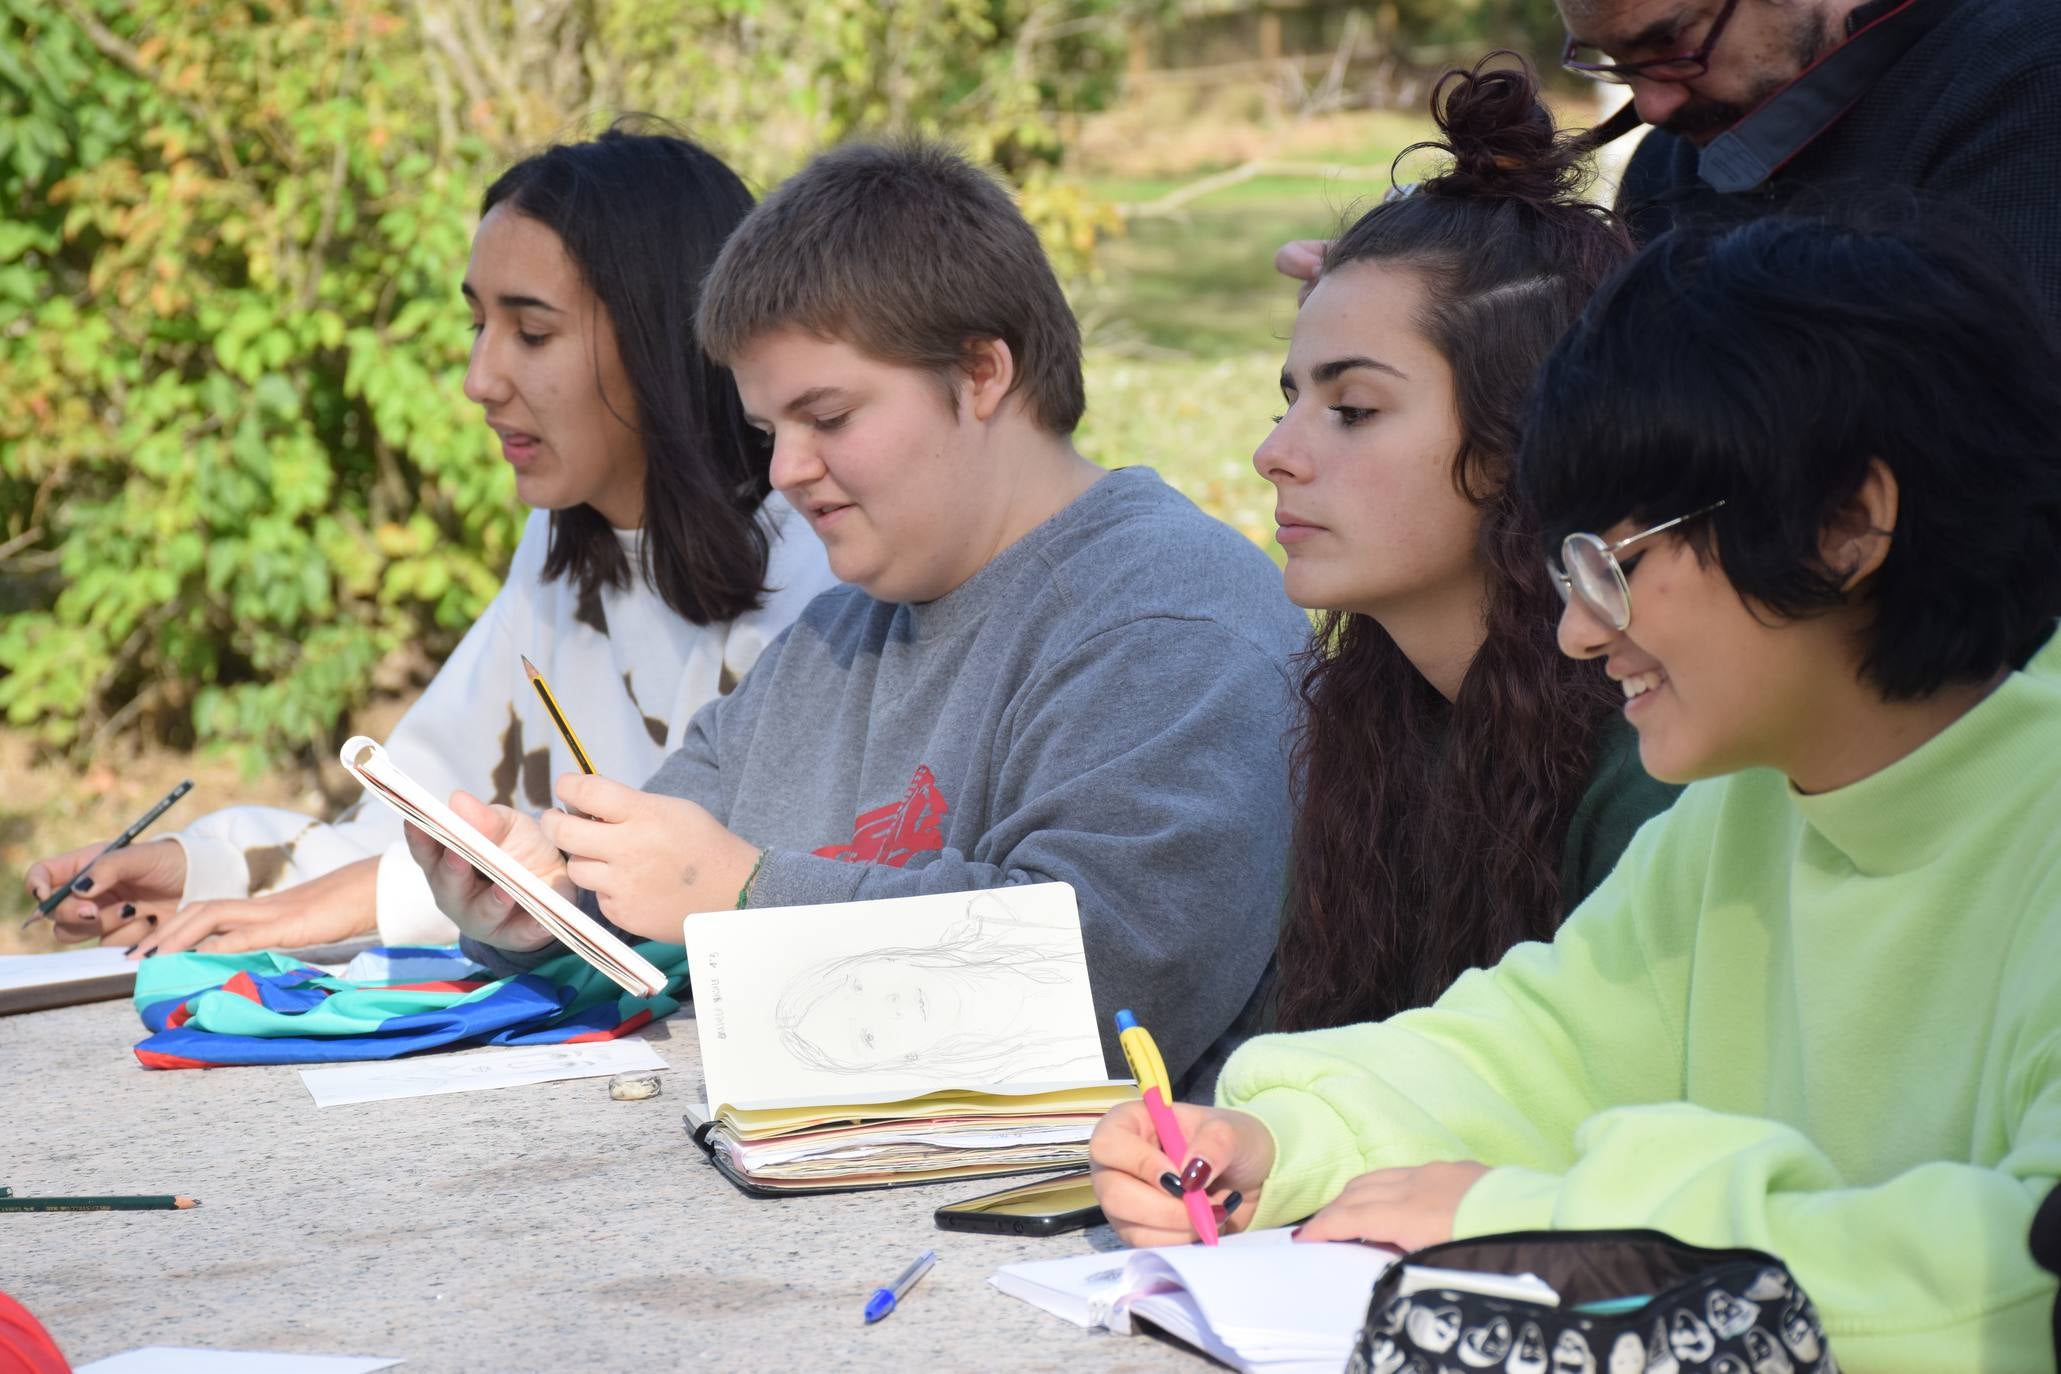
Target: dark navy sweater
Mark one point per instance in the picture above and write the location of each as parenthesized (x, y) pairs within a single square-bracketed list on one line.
[(1968, 112)]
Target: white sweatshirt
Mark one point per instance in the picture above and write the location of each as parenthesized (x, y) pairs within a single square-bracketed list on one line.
[(628, 672)]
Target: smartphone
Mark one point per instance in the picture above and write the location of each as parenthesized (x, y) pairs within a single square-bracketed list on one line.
[(1046, 1207)]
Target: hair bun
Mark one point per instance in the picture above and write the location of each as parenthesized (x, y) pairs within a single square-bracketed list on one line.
[(1501, 136)]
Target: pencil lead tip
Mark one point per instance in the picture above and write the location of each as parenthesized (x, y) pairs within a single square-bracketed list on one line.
[(529, 667)]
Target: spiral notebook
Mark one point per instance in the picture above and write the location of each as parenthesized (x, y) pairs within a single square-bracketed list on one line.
[(370, 764)]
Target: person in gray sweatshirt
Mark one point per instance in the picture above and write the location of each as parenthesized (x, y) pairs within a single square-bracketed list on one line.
[(1039, 670)]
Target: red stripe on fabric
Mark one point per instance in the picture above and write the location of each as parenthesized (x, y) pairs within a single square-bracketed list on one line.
[(152, 1059), (641, 1019), (181, 1014), (245, 987), (445, 985)]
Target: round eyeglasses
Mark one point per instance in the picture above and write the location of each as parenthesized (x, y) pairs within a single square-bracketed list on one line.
[(1589, 571)]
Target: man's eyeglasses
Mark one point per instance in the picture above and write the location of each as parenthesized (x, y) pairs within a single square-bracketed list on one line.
[(1593, 575), (1687, 66)]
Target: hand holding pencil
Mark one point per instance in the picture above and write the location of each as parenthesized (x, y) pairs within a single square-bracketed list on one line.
[(1151, 1188), (95, 889), (626, 846)]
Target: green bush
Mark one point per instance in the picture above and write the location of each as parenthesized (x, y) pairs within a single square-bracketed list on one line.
[(229, 388), (236, 469)]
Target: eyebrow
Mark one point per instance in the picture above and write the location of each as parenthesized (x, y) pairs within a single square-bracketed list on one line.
[(815, 395), (1652, 36), (1338, 367), (509, 302)]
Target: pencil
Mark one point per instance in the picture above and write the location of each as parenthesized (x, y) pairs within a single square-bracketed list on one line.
[(161, 1203), (558, 719), (64, 889)]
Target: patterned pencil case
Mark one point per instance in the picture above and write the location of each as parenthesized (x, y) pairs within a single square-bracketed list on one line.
[(1655, 1306)]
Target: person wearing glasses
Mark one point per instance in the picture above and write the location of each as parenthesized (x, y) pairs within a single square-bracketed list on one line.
[(1813, 1010), (1754, 102), (1461, 785)]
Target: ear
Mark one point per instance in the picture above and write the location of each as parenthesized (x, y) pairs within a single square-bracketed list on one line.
[(1856, 539), (990, 372)]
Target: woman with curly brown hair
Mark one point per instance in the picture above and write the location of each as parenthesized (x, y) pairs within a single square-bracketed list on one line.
[(1461, 784)]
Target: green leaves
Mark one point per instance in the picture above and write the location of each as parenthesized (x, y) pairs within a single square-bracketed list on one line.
[(236, 466), (204, 398)]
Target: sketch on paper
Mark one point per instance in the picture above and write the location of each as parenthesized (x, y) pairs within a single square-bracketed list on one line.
[(961, 990), (968, 1005)]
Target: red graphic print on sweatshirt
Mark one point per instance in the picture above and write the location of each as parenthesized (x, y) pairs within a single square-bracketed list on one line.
[(895, 833)]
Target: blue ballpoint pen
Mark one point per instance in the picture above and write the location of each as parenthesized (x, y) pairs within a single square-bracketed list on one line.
[(884, 1299)]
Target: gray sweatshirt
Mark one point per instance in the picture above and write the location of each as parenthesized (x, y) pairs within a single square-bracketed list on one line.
[(1104, 704)]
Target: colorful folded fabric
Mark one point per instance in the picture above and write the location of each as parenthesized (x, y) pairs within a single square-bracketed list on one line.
[(210, 1010)]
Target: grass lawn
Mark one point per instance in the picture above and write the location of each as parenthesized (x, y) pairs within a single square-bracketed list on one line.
[(1189, 323)]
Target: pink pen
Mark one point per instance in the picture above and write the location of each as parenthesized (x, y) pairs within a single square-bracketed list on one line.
[(1143, 1056)]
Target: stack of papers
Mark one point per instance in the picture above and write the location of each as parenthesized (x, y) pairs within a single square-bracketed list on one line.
[(859, 1044), (946, 1135), (1258, 1302)]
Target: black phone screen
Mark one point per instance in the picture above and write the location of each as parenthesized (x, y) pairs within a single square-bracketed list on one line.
[(1047, 1206)]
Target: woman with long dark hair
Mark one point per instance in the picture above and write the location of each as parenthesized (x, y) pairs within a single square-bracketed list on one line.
[(1461, 784), (656, 565)]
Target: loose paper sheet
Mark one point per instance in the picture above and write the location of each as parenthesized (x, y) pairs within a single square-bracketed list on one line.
[(871, 1001), (167, 1359), (476, 1070)]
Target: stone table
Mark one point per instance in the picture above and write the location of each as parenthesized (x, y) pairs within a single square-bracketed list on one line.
[(533, 1228)]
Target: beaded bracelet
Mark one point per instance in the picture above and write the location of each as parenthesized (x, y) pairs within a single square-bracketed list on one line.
[(744, 893)]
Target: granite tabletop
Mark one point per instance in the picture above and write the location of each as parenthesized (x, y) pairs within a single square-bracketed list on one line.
[(533, 1228)]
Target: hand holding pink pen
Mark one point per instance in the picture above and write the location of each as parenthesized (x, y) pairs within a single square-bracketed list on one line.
[(1150, 1071)]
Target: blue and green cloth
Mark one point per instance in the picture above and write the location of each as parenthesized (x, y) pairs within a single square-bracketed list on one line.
[(205, 1011)]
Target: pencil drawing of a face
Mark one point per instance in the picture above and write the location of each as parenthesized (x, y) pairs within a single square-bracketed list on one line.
[(965, 1004), (882, 1012)]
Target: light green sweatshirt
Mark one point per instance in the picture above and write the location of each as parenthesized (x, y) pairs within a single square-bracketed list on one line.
[(1827, 1026)]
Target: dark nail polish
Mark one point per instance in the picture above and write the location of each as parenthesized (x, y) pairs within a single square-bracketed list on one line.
[(1195, 1177), (150, 954), (1172, 1184), (1233, 1200), (128, 910), (83, 885), (1296, 1234), (151, 919)]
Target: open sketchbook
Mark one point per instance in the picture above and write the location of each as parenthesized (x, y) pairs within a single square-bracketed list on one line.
[(858, 1044), (1257, 1302), (383, 778)]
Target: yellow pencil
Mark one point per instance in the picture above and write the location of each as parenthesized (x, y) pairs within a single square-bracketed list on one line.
[(558, 719)]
